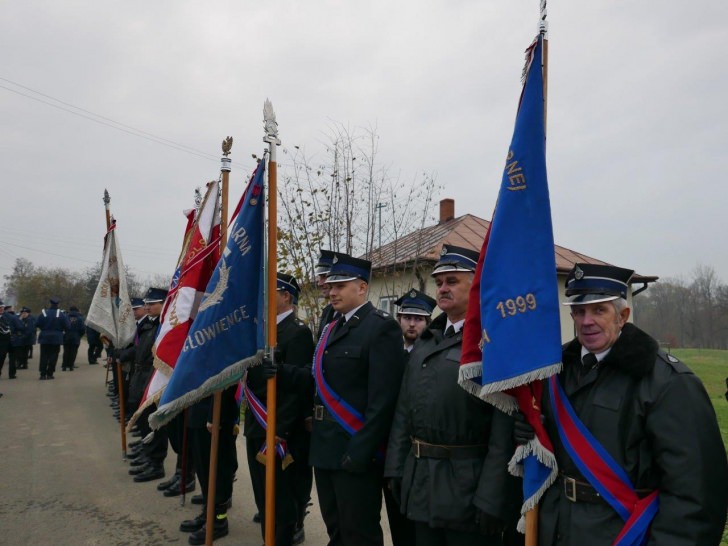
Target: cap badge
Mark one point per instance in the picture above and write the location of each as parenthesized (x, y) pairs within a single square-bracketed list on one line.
[(443, 251), (335, 260), (412, 293), (578, 273)]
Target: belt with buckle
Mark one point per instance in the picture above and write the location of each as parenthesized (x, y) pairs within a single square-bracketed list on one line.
[(320, 413), (435, 451), (579, 491)]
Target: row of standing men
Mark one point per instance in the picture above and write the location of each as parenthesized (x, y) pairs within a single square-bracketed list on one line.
[(58, 328), (373, 417)]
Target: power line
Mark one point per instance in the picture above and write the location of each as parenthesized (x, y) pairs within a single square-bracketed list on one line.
[(108, 122)]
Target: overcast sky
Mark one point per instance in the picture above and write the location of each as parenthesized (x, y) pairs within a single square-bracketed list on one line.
[(637, 119)]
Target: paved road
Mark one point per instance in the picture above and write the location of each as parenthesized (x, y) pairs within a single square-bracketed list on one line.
[(63, 480)]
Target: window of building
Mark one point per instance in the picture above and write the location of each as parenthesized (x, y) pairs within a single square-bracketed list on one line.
[(386, 303)]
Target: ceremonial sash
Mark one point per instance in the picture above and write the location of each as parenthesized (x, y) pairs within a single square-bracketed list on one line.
[(349, 418), (260, 413), (600, 469)]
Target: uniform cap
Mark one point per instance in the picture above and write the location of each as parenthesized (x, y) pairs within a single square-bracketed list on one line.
[(136, 303), (347, 268), (325, 261), (415, 302), (55, 301), (25, 310), (155, 295), (288, 283), (592, 283), (455, 258)]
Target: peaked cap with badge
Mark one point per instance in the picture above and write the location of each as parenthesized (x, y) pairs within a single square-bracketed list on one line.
[(347, 268), (415, 302), (136, 303), (288, 283), (155, 295), (455, 259), (593, 283)]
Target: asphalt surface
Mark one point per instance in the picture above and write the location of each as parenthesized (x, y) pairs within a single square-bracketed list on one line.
[(63, 480)]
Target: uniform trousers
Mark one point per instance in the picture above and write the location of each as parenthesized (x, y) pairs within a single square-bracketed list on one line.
[(351, 505), (303, 473), (4, 348), (286, 506), (13, 360), (401, 528), (48, 359), (429, 536), (21, 357), (176, 430), (69, 356), (156, 450), (227, 461)]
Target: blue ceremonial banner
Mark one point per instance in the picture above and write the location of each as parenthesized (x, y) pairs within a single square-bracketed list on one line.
[(226, 336), (512, 336)]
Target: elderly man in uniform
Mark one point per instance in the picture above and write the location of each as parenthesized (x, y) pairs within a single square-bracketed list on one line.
[(358, 367), (448, 450), (52, 323), (413, 315), (294, 350), (650, 420)]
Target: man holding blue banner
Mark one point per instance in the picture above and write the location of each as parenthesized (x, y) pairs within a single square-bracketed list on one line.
[(638, 447), (448, 451)]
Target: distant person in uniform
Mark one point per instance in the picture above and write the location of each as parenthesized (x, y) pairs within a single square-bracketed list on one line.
[(357, 370), (29, 338), (294, 402), (95, 345), (413, 314), (72, 338), (647, 416), (52, 323), (17, 330), (4, 337), (448, 451), (323, 266), (155, 451)]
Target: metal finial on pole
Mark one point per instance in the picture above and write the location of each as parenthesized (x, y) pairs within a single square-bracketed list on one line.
[(543, 25), (270, 126), (198, 198)]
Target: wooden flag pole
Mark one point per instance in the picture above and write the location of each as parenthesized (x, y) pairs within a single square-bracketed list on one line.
[(107, 201), (119, 374), (271, 137), (217, 396), (532, 514)]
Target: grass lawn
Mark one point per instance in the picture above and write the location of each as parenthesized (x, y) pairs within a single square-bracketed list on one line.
[(712, 368)]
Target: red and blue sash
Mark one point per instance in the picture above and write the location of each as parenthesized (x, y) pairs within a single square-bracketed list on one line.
[(600, 469), (260, 413), (349, 418)]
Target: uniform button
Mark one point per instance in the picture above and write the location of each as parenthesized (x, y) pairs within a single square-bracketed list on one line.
[(326, 352), (424, 365)]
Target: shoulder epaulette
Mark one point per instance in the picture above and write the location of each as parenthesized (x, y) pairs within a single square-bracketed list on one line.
[(382, 314), (674, 362)]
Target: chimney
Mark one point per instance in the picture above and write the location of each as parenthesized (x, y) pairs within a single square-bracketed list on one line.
[(447, 210)]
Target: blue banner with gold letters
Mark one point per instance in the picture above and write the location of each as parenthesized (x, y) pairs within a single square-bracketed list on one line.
[(226, 336), (512, 335)]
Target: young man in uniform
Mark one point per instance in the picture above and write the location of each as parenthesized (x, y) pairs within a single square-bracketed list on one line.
[(357, 369)]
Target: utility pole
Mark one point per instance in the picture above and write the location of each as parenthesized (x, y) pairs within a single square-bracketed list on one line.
[(379, 207)]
